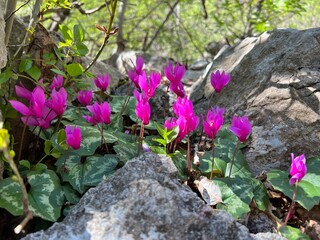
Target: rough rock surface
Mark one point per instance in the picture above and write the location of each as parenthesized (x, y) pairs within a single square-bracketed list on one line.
[(125, 61), (275, 80), (3, 50), (100, 67), (144, 201)]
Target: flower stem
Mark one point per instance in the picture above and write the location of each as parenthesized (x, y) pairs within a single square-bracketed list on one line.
[(234, 154), (103, 140), (140, 138), (21, 143), (57, 124), (212, 164), (292, 203), (188, 156)]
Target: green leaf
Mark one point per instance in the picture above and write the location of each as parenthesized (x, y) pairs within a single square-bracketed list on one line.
[(236, 195), (158, 150), (291, 233), (25, 65), (308, 191), (126, 151), (61, 137), (161, 141), (55, 153), (46, 196), (72, 195), (86, 171), (78, 33), (47, 147), (40, 167), (6, 75), (66, 33), (24, 163), (260, 197), (74, 69), (117, 103), (49, 59), (222, 161), (180, 161), (81, 48), (58, 53), (57, 71), (161, 130), (172, 134), (11, 196), (34, 72)]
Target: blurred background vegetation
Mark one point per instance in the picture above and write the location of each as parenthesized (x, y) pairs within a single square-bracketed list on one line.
[(180, 29)]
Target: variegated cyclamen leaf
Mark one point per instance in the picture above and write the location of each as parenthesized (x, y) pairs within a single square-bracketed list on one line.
[(46, 196), (86, 171), (236, 195), (11, 196)]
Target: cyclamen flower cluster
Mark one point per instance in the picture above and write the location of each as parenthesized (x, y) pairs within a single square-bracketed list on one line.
[(175, 75), (100, 111), (41, 111), (147, 86), (183, 107), (186, 120), (136, 72)]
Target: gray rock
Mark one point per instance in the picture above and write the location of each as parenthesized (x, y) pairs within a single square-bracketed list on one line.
[(125, 61), (143, 200), (275, 80), (100, 67)]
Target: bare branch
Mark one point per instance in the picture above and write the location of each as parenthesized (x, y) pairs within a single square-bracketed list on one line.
[(78, 5), (10, 15), (161, 26)]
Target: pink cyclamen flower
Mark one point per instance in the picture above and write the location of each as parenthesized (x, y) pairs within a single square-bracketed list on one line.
[(73, 137), (58, 101), (183, 107), (213, 122), (56, 82), (136, 72), (100, 113), (149, 85), (143, 109), (105, 110), (298, 168), (241, 127), (186, 121), (219, 80), (175, 75), (84, 97), (38, 113), (102, 82), (169, 124), (178, 89)]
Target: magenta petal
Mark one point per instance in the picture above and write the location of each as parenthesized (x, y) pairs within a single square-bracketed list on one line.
[(29, 121), (23, 92), (21, 108), (139, 64), (73, 137)]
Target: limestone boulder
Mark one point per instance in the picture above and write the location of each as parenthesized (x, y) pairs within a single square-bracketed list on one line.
[(275, 80), (143, 200)]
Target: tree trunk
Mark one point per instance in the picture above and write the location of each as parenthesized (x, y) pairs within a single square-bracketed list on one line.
[(120, 39), (3, 49)]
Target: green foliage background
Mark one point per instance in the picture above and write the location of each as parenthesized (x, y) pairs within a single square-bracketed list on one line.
[(187, 31)]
